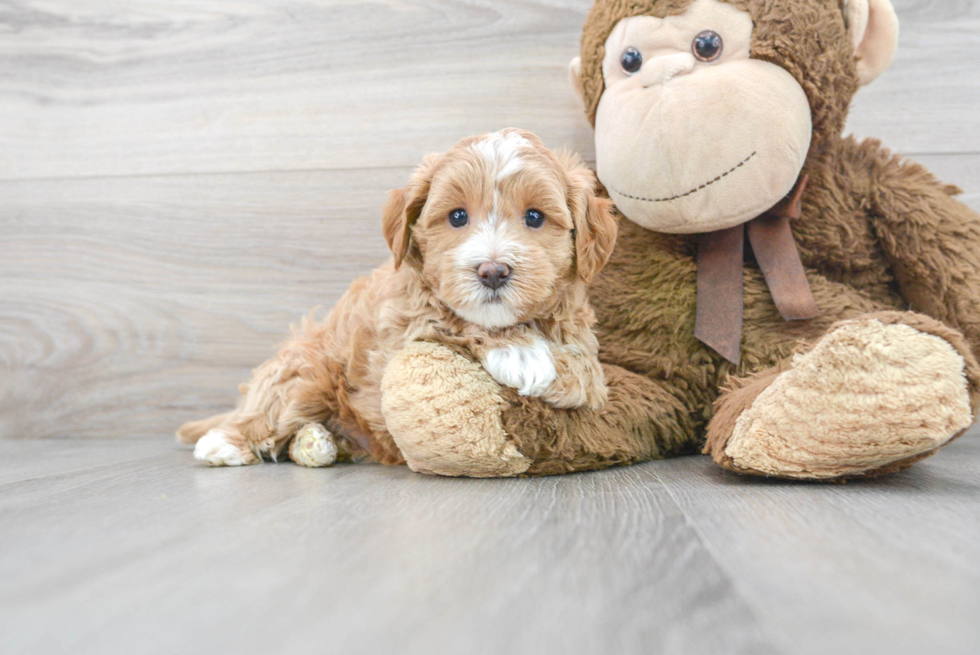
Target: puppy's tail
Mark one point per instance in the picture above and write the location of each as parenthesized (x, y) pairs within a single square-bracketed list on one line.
[(191, 432)]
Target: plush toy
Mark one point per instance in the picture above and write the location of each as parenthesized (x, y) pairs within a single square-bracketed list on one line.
[(799, 304)]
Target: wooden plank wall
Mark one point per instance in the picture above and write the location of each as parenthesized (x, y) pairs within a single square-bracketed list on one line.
[(181, 180)]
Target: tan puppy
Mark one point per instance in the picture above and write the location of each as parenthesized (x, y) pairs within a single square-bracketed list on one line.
[(494, 244)]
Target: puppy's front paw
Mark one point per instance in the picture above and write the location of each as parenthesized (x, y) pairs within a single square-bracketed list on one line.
[(529, 369)]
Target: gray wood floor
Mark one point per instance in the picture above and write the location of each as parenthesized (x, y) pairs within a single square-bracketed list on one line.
[(181, 180), (128, 547)]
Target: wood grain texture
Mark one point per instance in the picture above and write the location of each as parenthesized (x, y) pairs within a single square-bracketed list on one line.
[(143, 550), (118, 87), (132, 304), (887, 566), (124, 87), (925, 103), (166, 556)]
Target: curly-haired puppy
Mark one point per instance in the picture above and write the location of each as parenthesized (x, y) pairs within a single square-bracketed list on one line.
[(494, 244)]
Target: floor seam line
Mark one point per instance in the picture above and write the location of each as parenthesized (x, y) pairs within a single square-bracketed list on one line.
[(757, 613)]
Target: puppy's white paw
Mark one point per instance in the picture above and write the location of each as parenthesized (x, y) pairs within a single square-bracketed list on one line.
[(529, 369), (215, 449), (313, 447)]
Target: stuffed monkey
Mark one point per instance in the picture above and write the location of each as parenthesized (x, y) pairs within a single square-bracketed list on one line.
[(798, 304)]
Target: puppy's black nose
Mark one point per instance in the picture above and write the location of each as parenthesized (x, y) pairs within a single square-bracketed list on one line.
[(493, 275)]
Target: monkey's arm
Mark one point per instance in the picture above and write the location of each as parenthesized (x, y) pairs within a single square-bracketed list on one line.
[(932, 242), (449, 417), (642, 419)]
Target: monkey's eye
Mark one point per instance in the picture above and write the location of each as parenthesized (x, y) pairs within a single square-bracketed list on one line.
[(632, 60), (458, 218), (708, 45), (533, 218)]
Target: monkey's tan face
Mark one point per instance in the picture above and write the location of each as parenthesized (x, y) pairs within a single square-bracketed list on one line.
[(692, 135)]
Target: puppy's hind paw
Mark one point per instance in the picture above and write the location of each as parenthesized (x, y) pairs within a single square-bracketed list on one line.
[(313, 447)]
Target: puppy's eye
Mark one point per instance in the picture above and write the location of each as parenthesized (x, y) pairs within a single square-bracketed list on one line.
[(631, 60), (708, 45), (533, 218), (458, 218)]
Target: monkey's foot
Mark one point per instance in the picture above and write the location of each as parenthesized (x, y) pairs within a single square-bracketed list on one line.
[(444, 412), (313, 447), (875, 395)]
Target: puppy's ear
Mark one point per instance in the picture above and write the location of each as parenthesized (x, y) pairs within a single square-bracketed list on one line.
[(402, 210), (596, 227)]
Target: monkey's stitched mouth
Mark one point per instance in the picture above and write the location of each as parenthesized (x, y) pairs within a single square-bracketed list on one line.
[(692, 191)]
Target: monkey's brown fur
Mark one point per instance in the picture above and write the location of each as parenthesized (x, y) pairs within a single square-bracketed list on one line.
[(879, 236)]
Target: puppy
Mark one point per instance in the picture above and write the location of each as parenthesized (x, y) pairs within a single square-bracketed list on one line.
[(494, 244)]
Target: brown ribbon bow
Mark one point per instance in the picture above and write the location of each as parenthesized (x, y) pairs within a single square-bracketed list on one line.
[(721, 256)]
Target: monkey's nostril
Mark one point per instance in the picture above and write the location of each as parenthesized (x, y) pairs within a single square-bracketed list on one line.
[(493, 275)]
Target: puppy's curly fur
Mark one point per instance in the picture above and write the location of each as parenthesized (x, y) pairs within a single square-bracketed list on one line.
[(533, 332)]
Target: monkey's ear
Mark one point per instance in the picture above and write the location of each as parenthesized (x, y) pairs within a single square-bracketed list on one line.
[(575, 75), (596, 227), (402, 210), (873, 27)]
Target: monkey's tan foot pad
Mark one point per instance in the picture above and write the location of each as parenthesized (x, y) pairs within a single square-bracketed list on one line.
[(869, 398), (223, 448), (313, 447), (444, 412)]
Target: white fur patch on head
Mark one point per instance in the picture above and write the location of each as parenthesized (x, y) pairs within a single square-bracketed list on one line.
[(215, 449), (529, 369), (501, 150)]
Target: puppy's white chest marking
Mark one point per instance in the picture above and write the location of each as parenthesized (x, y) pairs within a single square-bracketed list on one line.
[(214, 449), (529, 369)]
